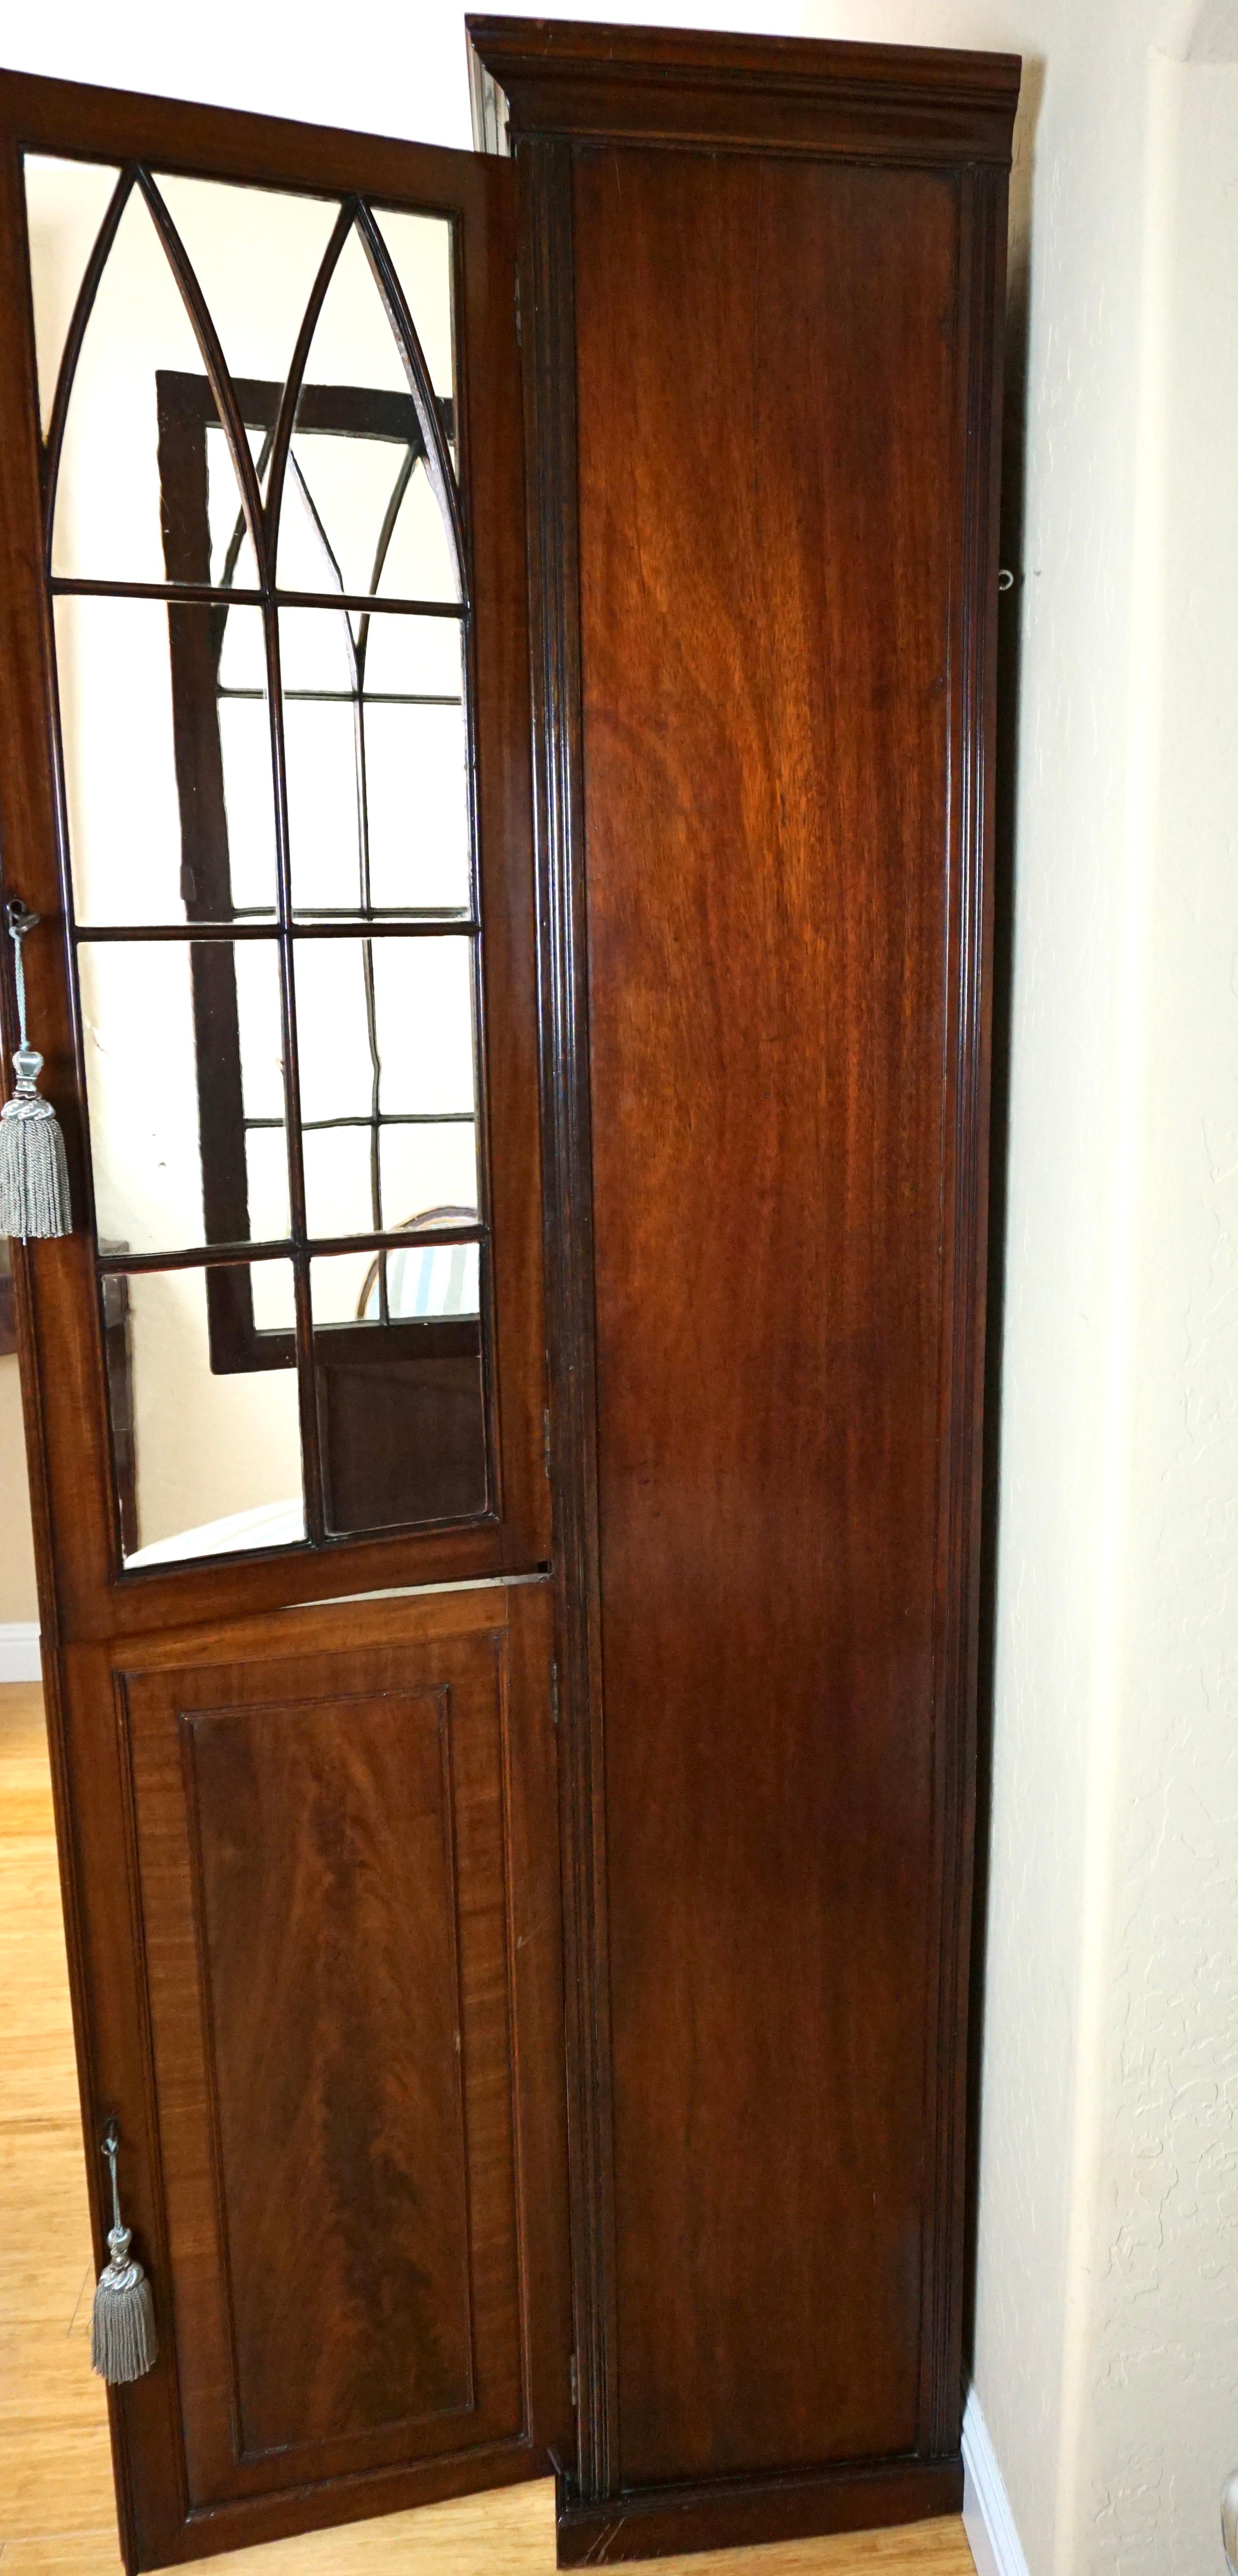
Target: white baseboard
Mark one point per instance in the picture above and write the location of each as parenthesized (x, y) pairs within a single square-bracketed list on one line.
[(987, 2519), (19, 1651)]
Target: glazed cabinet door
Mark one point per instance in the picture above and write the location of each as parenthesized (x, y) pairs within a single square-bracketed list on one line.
[(264, 696)]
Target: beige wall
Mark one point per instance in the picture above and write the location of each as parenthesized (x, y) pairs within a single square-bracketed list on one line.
[(17, 1593)]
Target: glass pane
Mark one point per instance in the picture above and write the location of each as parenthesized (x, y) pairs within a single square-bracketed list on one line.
[(420, 249), (266, 1182), (424, 1013), (426, 1170), (333, 1029), (430, 1279), (377, 766), (183, 1045), (66, 202), (419, 562), (340, 1196), (384, 1027), (413, 657), (140, 366), (400, 1408), (274, 1301), (147, 844), (346, 495), (340, 1286), (255, 254), (318, 653), (208, 1459), (228, 551), (359, 511), (416, 775), (424, 1280), (324, 813)]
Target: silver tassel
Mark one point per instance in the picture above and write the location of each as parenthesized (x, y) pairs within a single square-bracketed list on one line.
[(123, 2343), (34, 1176)]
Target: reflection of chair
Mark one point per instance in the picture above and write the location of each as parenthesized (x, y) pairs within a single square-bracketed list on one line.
[(428, 1279)]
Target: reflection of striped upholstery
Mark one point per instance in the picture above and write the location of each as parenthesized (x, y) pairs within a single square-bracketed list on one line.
[(430, 1279)]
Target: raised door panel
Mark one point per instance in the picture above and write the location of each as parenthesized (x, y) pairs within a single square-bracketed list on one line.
[(768, 410), (347, 1900)]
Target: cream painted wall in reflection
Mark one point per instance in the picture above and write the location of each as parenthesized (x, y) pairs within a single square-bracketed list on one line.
[(18, 1600), (209, 1447)]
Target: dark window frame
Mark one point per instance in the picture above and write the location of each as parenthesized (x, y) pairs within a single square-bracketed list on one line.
[(186, 410)]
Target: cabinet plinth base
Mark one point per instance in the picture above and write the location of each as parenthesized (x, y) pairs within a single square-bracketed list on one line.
[(663, 2522)]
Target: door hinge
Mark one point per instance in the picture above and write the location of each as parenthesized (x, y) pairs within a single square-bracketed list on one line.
[(554, 1694), (546, 1438), (519, 341), (573, 2382)]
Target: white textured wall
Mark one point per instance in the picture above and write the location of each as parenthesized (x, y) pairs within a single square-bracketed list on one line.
[(1107, 2324), (1162, 2337)]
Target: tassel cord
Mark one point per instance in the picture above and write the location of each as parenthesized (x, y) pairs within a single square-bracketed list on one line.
[(123, 2342), (111, 2144), (19, 924)]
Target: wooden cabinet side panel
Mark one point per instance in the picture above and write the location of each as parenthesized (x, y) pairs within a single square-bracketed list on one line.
[(764, 817)]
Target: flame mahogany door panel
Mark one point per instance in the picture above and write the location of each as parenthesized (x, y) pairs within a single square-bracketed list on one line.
[(341, 1835), (345, 1897), (761, 288)]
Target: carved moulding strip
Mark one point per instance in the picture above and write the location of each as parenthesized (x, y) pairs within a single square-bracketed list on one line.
[(548, 338)]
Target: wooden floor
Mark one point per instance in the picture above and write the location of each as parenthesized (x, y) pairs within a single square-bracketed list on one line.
[(56, 2514)]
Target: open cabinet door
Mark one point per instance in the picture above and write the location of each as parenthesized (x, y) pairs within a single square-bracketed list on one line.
[(263, 689)]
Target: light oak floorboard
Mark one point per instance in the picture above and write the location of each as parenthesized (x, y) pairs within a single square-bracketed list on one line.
[(56, 2513)]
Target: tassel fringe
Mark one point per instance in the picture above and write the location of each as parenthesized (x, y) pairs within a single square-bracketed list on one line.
[(34, 1176), (123, 2342)]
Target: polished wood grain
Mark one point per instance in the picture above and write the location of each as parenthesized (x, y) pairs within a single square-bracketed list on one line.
[(766, 824), (324, 1841), (346, 1877), (760, 389), (709, 92), (57, 2515), (141, 1916)]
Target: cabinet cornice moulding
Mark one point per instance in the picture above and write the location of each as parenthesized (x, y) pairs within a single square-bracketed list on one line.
[(536, 79)]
